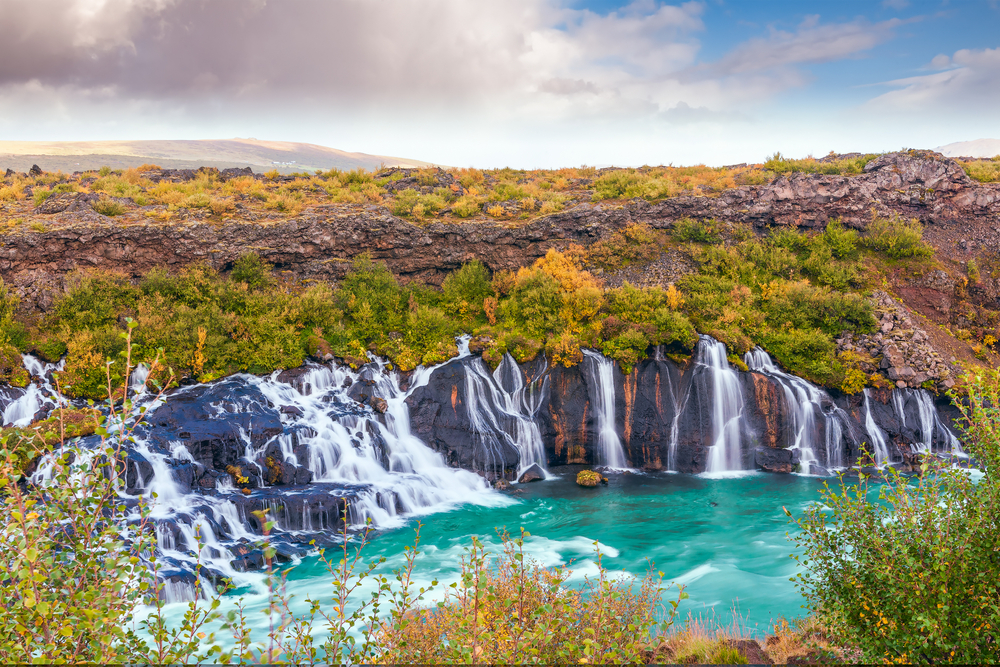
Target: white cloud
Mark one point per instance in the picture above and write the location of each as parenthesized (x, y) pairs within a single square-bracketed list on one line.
[(969, 83)]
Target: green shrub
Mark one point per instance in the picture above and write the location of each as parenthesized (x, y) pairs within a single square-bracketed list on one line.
[(466, 206), (984, 171), (12, 369), (637, 243), (465, 289), (846, 166), (371, 299), (696, 231), (252, 270), (842, 242), (897, 238), (906, 570), (108, 207)]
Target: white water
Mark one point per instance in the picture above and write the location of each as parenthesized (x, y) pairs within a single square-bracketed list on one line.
[(600, 370), (502, 409), (678, 408), (928, 424), (804, 401), (877, 437), (346, 446), (725, 455), (38, 394)]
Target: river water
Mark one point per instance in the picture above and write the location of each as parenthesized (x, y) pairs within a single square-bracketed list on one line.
[(724, 539)]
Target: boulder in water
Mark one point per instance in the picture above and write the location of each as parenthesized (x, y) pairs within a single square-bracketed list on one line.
[(532, 474), (588, 478), (773, 459)]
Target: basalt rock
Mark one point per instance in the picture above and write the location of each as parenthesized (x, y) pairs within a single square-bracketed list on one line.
[(444, 420), (664, 420), (211, 421)]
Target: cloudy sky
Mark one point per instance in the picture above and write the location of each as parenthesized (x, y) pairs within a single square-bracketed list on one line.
[(526, 83)]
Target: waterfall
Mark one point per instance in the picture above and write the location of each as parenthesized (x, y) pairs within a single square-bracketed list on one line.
[(804, 401), (725, 454), (678, 407), (929, 424), (501, 409), (878, 441), (374, 460), (602, 380), (39, 394), (522, 402)]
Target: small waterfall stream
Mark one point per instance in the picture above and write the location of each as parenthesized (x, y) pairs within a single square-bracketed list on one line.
[(805, 401), (928, 425), (38, 394), (678, 405), (600, 370), (878, 443), (500, 405), (725, 454)]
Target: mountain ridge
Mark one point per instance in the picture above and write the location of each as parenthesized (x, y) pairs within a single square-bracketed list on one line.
[(261, 155)]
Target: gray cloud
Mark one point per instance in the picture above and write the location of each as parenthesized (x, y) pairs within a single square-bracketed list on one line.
[(319, 49)]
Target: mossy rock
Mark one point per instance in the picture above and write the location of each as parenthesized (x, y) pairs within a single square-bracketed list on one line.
[(589, 478), (12, 370), (28, 442)]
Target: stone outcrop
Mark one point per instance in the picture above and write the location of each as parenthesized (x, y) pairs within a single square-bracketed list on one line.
[(901, 347)]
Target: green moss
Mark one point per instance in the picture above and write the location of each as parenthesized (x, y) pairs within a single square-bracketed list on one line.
[(12, 369)]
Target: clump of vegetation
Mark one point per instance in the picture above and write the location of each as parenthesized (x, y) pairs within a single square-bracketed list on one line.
[(787, 292), (696, 231), (912, 576), (660, 182), (635, 244), (848, 166), (984, 171), (897, 238), (588, 478), (506, 607), (109, 207)]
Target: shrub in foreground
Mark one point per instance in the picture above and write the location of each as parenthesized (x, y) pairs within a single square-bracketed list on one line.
[(914, 576)]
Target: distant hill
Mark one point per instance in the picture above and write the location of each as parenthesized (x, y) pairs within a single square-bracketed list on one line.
[(286, 157), (977, 148)]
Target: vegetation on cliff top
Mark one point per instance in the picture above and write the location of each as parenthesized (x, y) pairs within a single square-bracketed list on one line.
[(511, 196), (790, 293)]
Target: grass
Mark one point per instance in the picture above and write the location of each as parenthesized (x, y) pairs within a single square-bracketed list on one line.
[(984, 171), (810, 165)]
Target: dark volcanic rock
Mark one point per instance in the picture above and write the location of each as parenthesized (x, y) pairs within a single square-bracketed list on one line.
[(441, 418), (209, 419), (532, 474)]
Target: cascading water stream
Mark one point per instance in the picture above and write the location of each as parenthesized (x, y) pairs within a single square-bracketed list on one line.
[(678, 408), (37, 395), (498, 412), (385, 470), (929, 423), (600, 370), (878, 442), (726, 453), (804, 401), (523, 402)]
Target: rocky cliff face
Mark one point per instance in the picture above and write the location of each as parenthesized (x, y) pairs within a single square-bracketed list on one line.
[(321, 242), (666, 419)]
